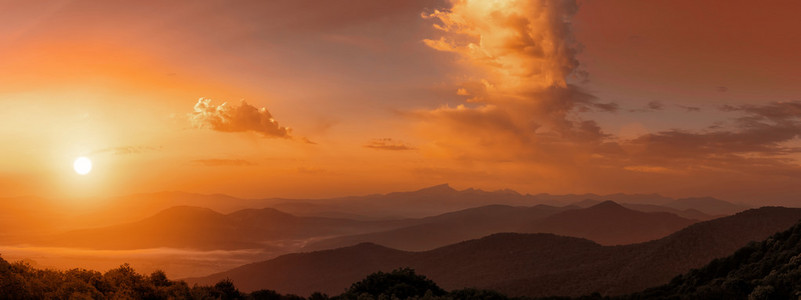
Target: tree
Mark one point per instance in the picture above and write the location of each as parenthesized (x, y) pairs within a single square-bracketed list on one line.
[(401, 283)]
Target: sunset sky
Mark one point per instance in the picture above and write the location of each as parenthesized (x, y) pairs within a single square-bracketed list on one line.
[(331, 98)]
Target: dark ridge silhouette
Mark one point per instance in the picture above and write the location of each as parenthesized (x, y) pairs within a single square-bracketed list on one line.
[(522, 264), (690, 213), (449, 228), (605, 223), (707, 205), (22, 217), (443, 198), (770, 269)]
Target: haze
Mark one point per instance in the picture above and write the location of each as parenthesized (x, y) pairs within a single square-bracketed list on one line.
[(210, 138), (678, 98)]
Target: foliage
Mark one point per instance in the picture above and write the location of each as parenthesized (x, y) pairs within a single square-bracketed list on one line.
[(770, 269), (401, 283)]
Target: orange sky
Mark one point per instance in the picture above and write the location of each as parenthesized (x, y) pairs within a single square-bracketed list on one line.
[(674, 97)]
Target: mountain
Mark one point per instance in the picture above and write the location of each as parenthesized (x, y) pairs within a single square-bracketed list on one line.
[(205, 229), (707, 205), (689, 213), (606, 223), (609, 223), (425, 202), (21, 217), (770, 269), (443, 198), (449, 228), (521, 264)]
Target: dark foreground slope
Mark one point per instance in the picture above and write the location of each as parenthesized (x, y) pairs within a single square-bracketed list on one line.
[(522, 264), (770, 269)]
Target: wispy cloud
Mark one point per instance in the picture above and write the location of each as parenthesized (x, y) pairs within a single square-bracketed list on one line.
[(218, 162), (689, 108), (124, 150), (388, 144)]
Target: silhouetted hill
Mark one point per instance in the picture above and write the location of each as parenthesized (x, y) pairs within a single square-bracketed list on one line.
[(203, 228), (605, 223), (22, 217), (690, 213), (523, 264), (707, 205), (425, 202), (770, 269), (449, 228), (609, 223)]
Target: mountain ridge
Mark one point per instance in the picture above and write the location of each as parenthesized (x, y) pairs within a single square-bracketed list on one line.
[(581, 268)]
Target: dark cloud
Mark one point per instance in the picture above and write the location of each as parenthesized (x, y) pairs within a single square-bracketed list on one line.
[(608, 107), (776, 111), (689, 108), (655, 105), (388, 144), (760, 139), (649, 107), (218, 162), (237, 118)]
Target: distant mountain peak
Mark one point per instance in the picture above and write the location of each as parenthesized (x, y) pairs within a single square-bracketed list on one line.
[(608, 204), (440, 188), (187, 209)]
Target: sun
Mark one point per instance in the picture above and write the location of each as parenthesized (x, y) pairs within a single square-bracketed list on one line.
[(82, 165)]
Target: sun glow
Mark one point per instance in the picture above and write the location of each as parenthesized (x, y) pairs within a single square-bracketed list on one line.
[(82, 165)]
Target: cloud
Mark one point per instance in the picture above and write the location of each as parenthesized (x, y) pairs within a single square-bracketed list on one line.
[(518, 57), (528, 41), (762, 137), (689, 108), (776, 111), (388, 144), (218, 162), (237, 118), (648, 169), (124, 150), (649, 107), (655, 105)]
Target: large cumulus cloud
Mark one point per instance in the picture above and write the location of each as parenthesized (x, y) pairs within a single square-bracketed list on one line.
[(516, 61), (237, 118), (519, 57)]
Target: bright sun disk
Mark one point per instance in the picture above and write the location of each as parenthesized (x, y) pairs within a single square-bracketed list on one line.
[(82, 165)]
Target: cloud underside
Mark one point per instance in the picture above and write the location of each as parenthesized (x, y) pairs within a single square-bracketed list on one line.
[(237, 118), (219, 162), (388, 144), (520, 106), (125, 150)]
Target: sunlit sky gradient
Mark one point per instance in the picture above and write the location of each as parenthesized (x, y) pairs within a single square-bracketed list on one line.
[(682, 98)]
